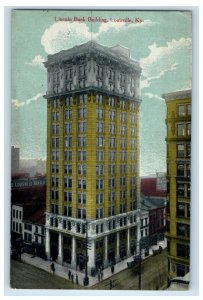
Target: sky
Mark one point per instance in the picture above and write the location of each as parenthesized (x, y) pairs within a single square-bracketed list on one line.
[(162, 43)]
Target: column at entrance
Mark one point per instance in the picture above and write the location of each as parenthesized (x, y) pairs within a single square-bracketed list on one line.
[(47, 246), (91, 255), (118, 247), (128, 242), (60, 253), (73, 254), (106, 263)]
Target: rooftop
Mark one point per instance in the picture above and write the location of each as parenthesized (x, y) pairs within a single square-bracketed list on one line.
[(149, 188)]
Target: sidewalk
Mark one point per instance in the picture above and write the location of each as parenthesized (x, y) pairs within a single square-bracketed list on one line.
[(62, 271)]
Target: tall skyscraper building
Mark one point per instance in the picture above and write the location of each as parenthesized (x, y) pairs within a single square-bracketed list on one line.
[(178, 141), (93, 103)]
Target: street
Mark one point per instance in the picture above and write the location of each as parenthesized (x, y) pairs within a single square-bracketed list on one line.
[(154, 277)]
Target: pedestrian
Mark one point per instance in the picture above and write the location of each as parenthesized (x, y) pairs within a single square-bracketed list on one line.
[(76, 278), (52, 267), (112, 269), (110, 284), (69, 274), (72, 278), (102, 275), (99, 277)]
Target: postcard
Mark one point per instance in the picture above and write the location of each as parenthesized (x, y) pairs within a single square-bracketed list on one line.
[(101, 149)]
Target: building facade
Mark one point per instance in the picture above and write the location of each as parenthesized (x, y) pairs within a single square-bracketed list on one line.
[(93, 189), (178, 121)]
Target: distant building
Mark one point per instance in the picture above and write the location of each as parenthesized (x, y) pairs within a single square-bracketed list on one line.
[(156, 226), (15, 159), (154, 187), (178, 121)]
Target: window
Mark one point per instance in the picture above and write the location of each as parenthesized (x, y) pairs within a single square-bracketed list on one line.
[(188, 126), (123, 143), (54, 181), (68, 155), (55, 116), (180, 129), (123, 181), (100, 198), (180, 189), (111, 75), (111, 210), (112, 155), (100, 141), (100, 113), (112, 196), (123, 129), (68, 169), (82, 198), (183, 250), (55, 195), (112, 142), (123, 155), (183, 229), (82, 141), (99, 71), (55, 129), (112, 182), (54, 208), (112, 128), (68, 141), (68, 114), (82, 155), (99, 183), (82, 113), (69, 101), (180, 170), (112, 169), (68, 128), (99, 213), (68, 182), (68, 211), (189, 109), (100, 169), (82, 183), (82, 127), (81, 213), (123, 195), (82, 70), (123, 169), (100, 155), (132, 205), (181, 209), (99, 99), (112, 115), (83, 99), (69, 86), (180, 150), (188, 170), (188, 150), (69, 74), (82, 169), (181, 110), (68, 196), (122, 208), (123, 117), (100, 127), (112, 101)]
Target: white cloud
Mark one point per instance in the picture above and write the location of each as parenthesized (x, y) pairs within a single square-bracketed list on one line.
[(37, 62), (153, 96), (17, 103), (64, 35), (163, 59)]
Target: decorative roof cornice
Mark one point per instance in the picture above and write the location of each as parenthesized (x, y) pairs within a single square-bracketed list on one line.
[(186, 94)]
